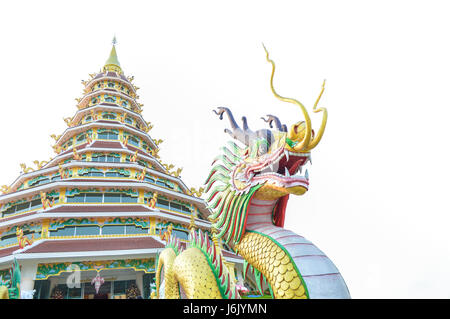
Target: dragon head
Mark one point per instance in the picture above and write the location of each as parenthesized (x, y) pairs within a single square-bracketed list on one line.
[(268, 159), (269, 164), (19, 232)]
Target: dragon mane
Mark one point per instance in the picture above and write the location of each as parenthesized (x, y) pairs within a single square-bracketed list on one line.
[(229, 206)]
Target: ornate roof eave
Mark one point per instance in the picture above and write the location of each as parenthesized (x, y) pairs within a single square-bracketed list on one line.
[(48, 214), (25, 176), (94, 80), (92, 254), (82, 127), (99, 149), (82, 254), (80, 113), (36, 173), (29, 192), (83, 101)]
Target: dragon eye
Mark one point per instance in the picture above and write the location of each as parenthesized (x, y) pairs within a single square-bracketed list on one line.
[(262, 149), (258, 148)]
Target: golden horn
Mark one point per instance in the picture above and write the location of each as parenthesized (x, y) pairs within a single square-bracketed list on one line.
[(319, 135), (300, 146)]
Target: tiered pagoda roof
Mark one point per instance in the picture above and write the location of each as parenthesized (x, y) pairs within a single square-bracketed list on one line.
[(106, 172)]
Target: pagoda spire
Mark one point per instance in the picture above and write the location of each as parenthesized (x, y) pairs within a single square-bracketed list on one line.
[(112, 64)]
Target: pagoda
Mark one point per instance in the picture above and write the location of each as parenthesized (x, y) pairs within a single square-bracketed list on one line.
[(90, 222)]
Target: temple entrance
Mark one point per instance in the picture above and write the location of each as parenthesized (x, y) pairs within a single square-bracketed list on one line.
[(117, 284), (105, 291)]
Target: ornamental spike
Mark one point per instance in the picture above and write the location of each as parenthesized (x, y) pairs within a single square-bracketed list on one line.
[(200, 235), (194, 236), (258, 281), (228, 280), (214, 254), (246, 265), (271, 291), (208, 246), (220, 267)]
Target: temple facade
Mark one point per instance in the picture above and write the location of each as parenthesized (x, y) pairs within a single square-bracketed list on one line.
[(90, 222)]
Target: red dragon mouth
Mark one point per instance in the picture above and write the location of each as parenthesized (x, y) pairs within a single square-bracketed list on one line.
[(282, 168), (286, 171)]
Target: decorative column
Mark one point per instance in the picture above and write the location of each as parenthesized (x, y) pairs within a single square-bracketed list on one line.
[(140, 282), (152, 230), (45, 225), (141, 199), (27, 277), (62, 196)]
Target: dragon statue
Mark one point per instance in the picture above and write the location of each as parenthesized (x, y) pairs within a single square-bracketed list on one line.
[(55, 137), (64, 174), (177, 172), (121, 117), (194, 192), (140, 176), (134, 157), (22, 240), (26, 169), (94, 115), (76, 156), (5, 189), (46, 203), (40, 164), (151, 202), (11, 288), (248, 190), (167, 234)]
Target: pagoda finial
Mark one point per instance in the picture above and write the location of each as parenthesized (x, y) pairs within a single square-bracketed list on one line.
[(112, 64)]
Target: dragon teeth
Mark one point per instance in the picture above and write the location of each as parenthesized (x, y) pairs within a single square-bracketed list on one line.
[(286, 153), (286, 172), (307, 174)]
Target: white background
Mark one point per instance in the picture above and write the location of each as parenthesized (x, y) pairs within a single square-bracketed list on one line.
[(377, 205)]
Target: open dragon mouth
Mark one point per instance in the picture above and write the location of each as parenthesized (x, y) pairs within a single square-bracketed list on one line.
[(282, 169), (288, 170)]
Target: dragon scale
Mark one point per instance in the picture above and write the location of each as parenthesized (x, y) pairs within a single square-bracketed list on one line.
[(281, 254)]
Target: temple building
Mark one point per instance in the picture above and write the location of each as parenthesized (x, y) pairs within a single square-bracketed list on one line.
[(89, 222)]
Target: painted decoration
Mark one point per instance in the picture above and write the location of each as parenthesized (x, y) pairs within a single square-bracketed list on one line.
[(44, 271), (97, 281)]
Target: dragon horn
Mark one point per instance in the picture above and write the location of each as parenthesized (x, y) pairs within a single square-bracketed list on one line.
[(245, 124), (273, 119), (243, 135), (319, 135), (294, 134)]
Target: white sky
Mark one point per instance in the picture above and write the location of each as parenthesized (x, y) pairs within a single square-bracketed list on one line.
[(377, 205)]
